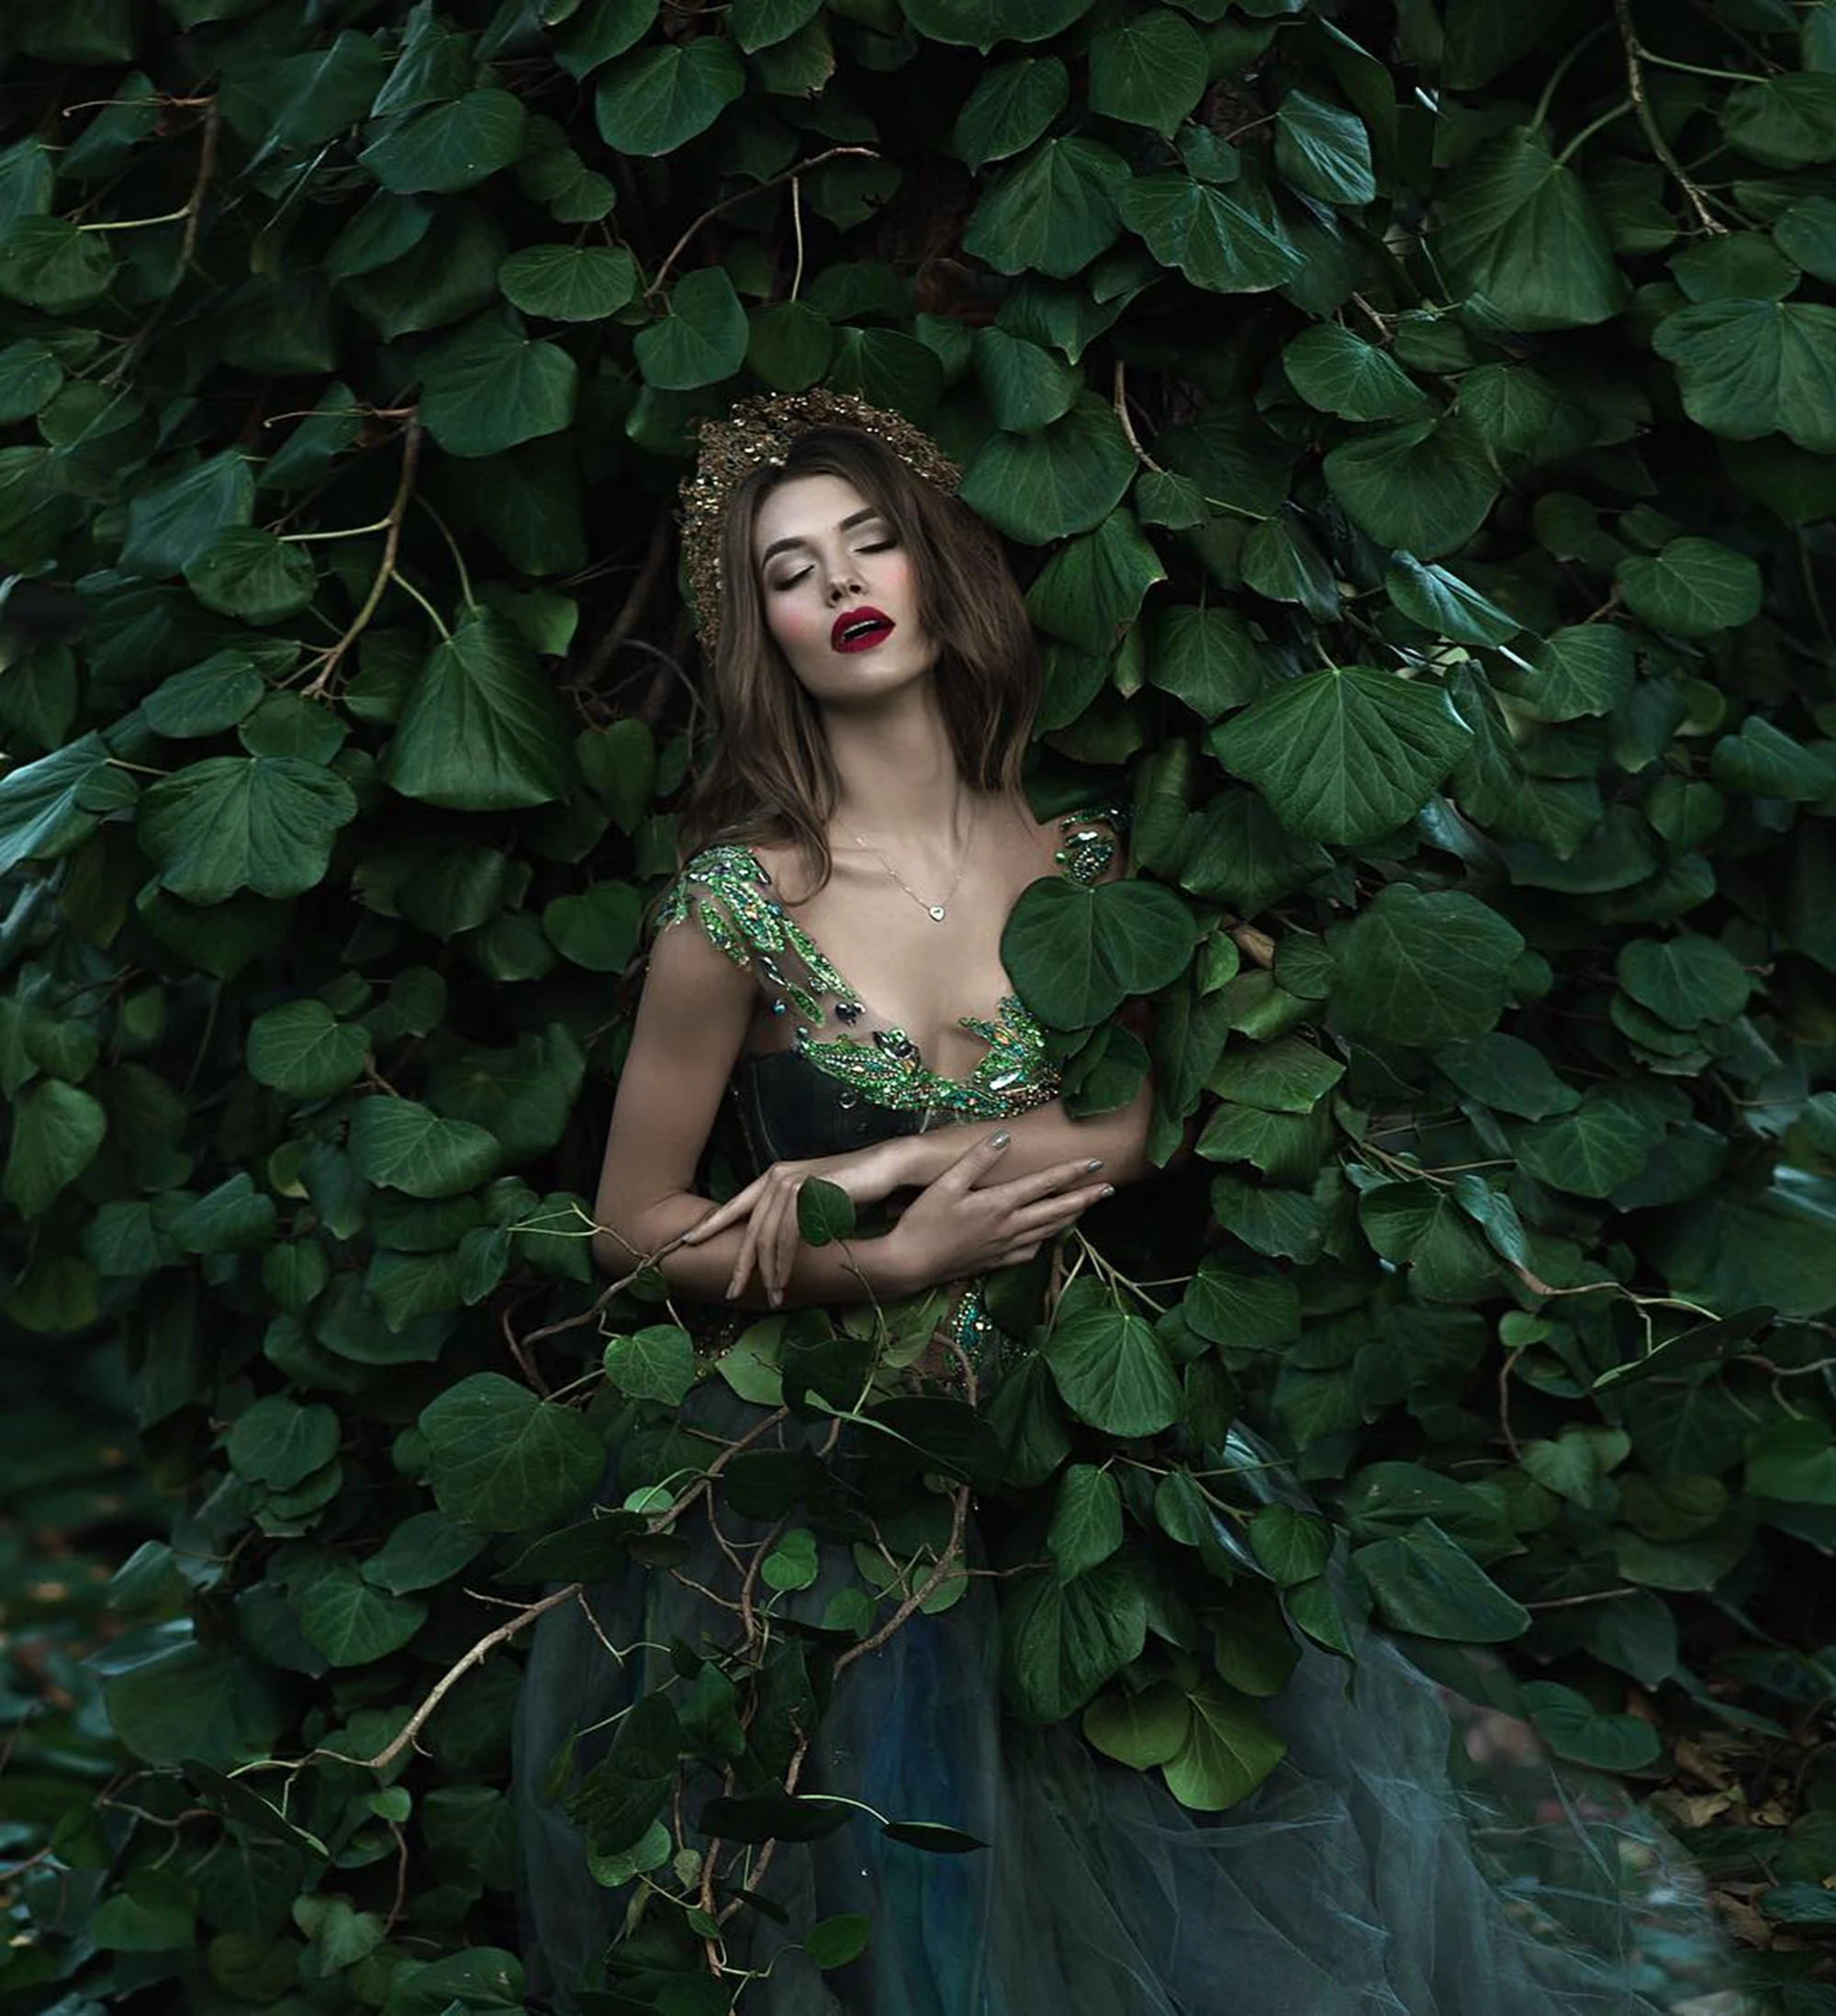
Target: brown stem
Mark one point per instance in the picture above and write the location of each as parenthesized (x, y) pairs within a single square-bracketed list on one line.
[(745, 196), (1120, 399), (391, 542), (642, 589), (923, 1592), (447, 1681), (1635, 79), (206, 167)]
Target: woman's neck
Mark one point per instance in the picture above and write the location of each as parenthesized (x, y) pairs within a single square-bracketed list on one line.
[(899, 779)]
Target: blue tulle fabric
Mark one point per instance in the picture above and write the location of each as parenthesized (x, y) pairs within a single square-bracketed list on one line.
[(1412, 1855)]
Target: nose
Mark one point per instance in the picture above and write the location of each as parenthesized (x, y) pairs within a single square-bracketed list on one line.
[(843, 584)]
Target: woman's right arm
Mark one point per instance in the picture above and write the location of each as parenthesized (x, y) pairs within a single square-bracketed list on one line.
[(691, 1022)]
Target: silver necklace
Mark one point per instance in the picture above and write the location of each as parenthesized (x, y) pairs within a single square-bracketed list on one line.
[(936, 911)]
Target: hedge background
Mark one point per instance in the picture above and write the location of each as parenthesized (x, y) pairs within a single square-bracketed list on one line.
[(1413, 426)]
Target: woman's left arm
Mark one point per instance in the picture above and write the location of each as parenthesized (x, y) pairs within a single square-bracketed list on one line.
[(1041, 1136)]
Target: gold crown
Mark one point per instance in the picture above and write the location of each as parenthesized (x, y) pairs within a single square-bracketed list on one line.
[(760, 430)]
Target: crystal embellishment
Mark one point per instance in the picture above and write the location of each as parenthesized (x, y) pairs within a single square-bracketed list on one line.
[(719, 890)]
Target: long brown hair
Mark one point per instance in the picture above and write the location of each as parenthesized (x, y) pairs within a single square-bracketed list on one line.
[(769, 776)]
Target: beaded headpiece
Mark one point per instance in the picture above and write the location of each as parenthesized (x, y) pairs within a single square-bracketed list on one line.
[(761, 430)]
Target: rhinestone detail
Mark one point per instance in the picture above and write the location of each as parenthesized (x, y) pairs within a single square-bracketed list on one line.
[(719, 890)]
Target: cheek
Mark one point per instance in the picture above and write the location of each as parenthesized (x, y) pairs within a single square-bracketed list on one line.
[(797, 624)]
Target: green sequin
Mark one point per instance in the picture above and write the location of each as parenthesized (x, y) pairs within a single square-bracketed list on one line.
[(724, 889)]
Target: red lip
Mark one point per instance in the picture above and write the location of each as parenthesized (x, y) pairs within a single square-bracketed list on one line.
[(872, 637)]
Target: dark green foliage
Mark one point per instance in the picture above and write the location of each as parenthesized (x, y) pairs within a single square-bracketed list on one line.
[(1411, 425)]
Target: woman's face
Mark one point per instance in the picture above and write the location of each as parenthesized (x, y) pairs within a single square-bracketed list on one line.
[(838, 590)]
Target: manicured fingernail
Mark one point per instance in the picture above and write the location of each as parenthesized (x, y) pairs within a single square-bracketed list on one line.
[(1108, 1190), (776, 1299), (999, 1140), (1095, 1164)]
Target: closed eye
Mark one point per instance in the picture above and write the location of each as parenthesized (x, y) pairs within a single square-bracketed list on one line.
[(790, 581)]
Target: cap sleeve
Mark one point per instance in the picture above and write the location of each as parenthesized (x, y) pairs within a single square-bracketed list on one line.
[(728, 894), (1091, 842), (716, 890)]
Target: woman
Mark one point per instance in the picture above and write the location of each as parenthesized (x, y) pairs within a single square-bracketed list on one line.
[(829, 957)]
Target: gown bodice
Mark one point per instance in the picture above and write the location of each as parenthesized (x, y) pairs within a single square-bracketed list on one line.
[(827, 1075)]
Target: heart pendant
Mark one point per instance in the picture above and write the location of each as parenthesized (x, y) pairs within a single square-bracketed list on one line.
[(937, 911)]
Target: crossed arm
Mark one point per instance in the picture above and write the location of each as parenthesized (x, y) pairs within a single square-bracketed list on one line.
[(692, 1023)]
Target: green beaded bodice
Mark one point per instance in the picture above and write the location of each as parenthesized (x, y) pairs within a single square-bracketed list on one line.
[(729, 893)]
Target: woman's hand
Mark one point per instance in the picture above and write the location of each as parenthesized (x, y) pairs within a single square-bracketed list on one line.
[(767, 1205), (961, 1224)]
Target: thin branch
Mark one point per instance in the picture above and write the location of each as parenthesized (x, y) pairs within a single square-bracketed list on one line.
[(447, 1681), (946, 1562), (1119, 397), (642, 588), (745, 196), (1635, 79), (322, 680)]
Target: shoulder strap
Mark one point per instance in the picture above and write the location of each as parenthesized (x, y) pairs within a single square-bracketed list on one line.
[(1089, 840)]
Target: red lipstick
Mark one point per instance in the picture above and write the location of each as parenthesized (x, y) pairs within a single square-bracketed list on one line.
[(860, 629)]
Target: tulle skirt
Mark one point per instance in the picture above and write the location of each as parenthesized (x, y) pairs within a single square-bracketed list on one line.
[(1413, 1853)]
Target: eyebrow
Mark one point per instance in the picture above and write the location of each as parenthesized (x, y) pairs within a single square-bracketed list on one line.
[(845, 524)]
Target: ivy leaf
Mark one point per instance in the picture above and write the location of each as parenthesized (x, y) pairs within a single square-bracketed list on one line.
[(1747, 368), (444, 148), (1205, 657), (1688, 979), (1787, 121), (279, 1443), (1150, 71), (351, 1623), (43, 805), (1140, 1730), (490, 385), (253, 574), (303, 1049), (265, 823), (569, 283), (1076, 953), (403, 1146), (1574, 1728), (703, 338), (1061, 1641), (1602, 1144), (52, 265), (1086, 1528), (1422, 968), (656, 1363), (1113, 1371), (56, 1132), (1324, 150), (1065, 477), (1217, 241), (1425, 1583), (1694, 586), (833, 1941), (482, 730), (657, 99), (501, 1460), (1344, 754), (1230, 1748), (1011, 105), (1426, 486), (173, 523), (1053, 212), (1339, 372), (1517, 226)]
